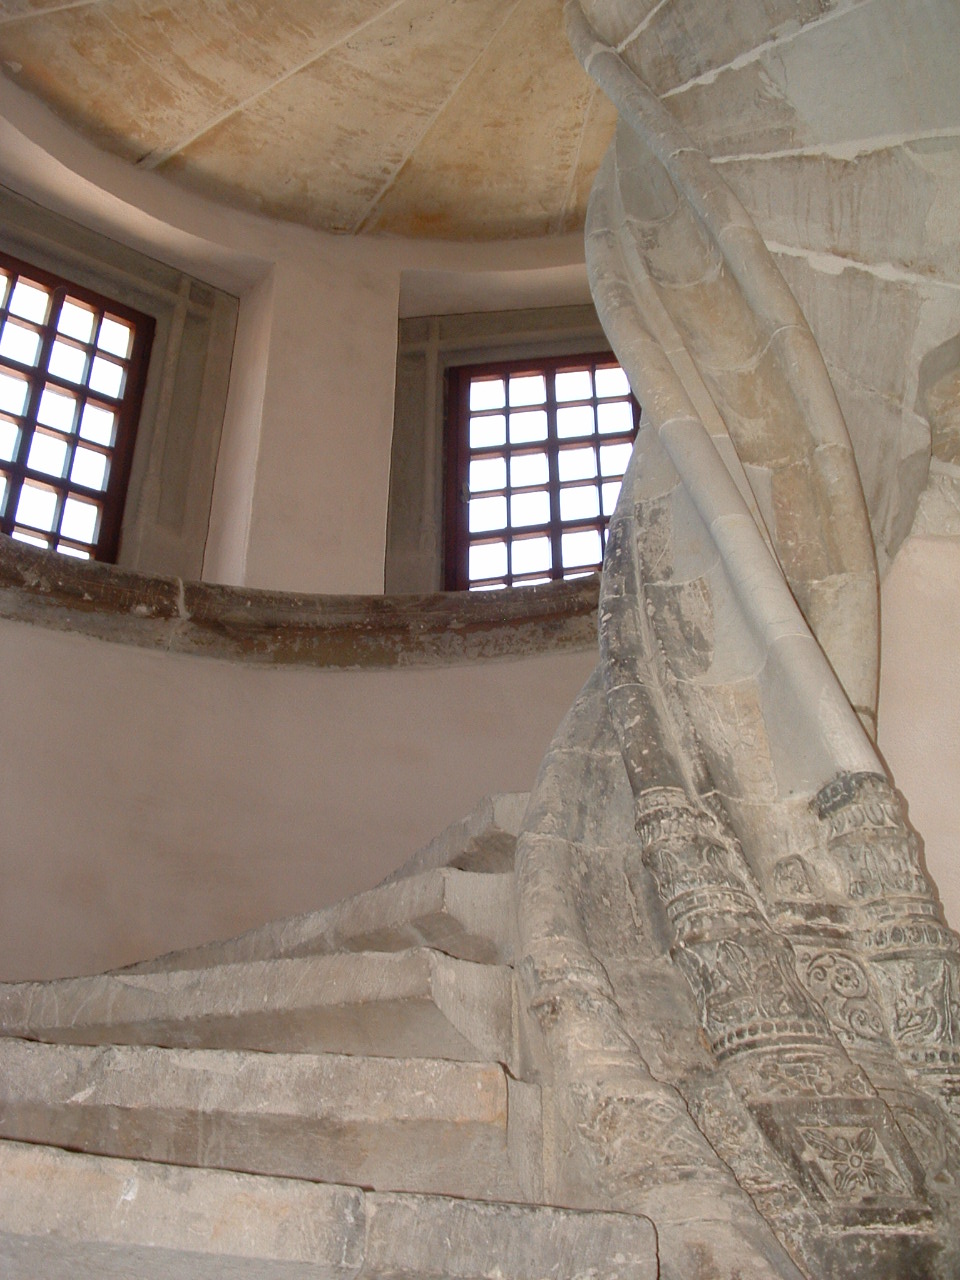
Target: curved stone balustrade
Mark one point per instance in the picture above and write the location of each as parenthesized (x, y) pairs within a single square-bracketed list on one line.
[(286, 629)]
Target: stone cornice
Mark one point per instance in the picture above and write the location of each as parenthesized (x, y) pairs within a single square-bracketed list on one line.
[(280, 628)]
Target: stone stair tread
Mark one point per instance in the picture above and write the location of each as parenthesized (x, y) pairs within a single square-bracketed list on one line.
[(463, 914), (416, 1003), (67, 1216), (485, 841), (454, 1128)]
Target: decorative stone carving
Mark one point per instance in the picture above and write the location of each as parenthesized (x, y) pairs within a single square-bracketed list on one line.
[(895, 925)]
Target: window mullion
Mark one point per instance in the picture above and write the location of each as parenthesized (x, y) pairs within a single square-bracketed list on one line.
[(553, 464), (529, 445), (73, 496)]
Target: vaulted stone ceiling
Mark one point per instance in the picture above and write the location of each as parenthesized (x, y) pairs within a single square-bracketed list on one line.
[(466, 118)]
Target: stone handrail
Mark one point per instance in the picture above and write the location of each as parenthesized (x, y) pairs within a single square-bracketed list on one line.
[(288, 629)]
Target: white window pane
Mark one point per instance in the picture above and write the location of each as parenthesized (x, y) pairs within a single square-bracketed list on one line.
[(29, 538), (526, 428), (4, 285), (577, 464), (89, 469), (577, 420), (612, 382), (73, 551), (97, 424), (611, 492), (106, 378), (37, 507), (580, 548), (3, 492), (527, 469), (487, 560), (530, 508), (528, 389), (13, 394), (582, 503), (488, 432), (531, 555), (69, 363), (20, 344), (575, 384), (614, 458), (533, 582), (487, 513), (29, 301), (615, 418), (9, 439), (79, 520), (57, 409), (115, 337), (47, 454), (76, 321), (487, 393), (487, 473)]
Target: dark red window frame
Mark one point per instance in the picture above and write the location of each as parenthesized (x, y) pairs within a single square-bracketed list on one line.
[(126, 406), (459, 455)]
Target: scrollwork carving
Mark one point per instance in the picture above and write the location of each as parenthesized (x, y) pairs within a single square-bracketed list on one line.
[(841, 987)]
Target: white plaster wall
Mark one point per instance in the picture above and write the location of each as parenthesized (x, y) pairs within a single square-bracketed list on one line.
[(150, 801), (300, 498), (919, 716)]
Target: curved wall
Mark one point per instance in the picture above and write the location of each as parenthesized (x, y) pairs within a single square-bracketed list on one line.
[(153, 800), (300, 497)]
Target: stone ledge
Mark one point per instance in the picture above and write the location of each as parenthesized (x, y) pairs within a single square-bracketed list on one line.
[(279, 628)]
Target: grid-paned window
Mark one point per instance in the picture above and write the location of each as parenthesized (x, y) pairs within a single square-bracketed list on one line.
[(536, 455), (72, 369)]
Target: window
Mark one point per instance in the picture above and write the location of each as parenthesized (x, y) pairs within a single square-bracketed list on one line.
[(72, 369), (536, 455)]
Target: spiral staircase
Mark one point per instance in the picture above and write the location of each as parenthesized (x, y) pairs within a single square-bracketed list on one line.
[(689, 1010)]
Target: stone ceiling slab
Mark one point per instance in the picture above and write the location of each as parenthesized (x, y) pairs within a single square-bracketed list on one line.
[(345, 123), (468, 118), (515, 151)]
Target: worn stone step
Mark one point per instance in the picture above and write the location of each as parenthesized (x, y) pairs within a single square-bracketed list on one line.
[(65, 1216), (485, 841), (463, 914), (403, 1004), (453, 1128)]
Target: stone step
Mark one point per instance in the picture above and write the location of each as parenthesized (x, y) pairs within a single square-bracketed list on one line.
[(402, 1004), (452, 1128), (463, 914), (485, 841), (65, 1216)]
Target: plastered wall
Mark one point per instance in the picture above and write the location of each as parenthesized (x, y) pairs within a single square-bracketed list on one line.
[(919, 718), (151, 800), (300, 495)]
